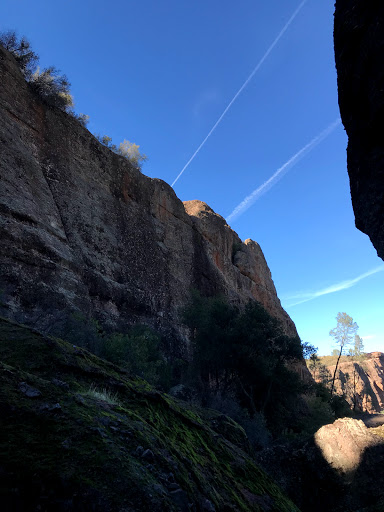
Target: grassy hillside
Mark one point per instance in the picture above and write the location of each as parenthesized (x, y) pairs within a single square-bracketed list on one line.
[(79, 433), (331, 360)]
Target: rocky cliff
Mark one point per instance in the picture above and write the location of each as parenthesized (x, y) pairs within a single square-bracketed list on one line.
[(359, 47), (360, 380), (82, 230)]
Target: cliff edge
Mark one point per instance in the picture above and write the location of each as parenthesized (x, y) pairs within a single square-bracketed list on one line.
[(82, 230)]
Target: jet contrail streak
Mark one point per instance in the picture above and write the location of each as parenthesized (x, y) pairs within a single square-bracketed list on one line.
[(285, 28), (343, 285), (249, 200)]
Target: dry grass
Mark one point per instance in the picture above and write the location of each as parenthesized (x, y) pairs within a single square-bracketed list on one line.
[(332, 360), (378, 431), (104, 395)]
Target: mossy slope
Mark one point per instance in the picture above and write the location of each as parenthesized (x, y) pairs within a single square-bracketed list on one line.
[(66, 449)]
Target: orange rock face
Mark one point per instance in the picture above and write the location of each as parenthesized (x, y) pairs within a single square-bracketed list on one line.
[(364, 379), (360, 382)]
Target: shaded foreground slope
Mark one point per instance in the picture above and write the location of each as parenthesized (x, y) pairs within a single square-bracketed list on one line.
[(129, 448)]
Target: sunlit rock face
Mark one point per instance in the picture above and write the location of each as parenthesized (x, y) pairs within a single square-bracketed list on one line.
[(360, 381), (82, 230), (359, 49), (343, 444)]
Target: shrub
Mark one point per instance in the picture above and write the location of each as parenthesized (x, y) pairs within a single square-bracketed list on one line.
[(254, 426), (131, 151), (48, 83), (52, 87), (139, 351), (84, 332), (127, 149), (82, 118), (106, 141), (21, 50)]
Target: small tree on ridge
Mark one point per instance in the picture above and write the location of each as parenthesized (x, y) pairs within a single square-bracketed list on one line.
[(343, 335)]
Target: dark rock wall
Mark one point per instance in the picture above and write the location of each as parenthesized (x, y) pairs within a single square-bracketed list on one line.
[(359, 54), (82, 230)]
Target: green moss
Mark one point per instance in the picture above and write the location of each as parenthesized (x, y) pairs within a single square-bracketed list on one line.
[(91, 444)]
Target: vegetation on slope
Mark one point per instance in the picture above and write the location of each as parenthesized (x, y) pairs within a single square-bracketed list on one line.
[(79, 433)]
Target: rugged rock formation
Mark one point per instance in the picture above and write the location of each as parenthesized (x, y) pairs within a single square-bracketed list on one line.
[(343, 444), (359, 47), (83, 230), (339, 469), (357, 455), (360, 380)]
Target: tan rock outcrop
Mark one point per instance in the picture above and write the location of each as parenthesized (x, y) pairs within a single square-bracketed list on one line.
[(363, 380), (343, 444), (82, 230)]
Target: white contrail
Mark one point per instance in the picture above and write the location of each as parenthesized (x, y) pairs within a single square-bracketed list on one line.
[(343, 285), (249, 200), (286, 26)]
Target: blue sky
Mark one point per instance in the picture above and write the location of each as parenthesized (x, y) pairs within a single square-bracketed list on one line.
[(161, 73)]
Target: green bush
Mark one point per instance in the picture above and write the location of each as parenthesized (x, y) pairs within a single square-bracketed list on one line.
[(139, 350)]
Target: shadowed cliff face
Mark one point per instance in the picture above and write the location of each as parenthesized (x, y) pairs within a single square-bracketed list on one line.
[(359, 49), (83, 230)]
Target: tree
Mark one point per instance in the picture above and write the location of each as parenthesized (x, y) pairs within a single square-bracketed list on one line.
[(359, 345), (308, 350), (314, 365), (324, 375), (243, 353), (343, 335), (335, 352), (21, 50)]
